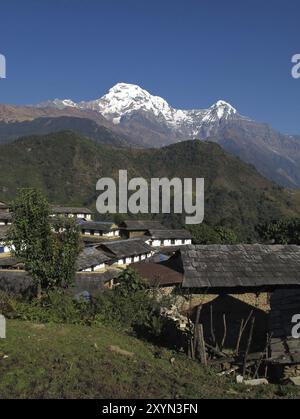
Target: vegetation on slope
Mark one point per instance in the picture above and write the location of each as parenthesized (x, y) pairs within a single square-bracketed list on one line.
[(72, 361), (66, 168)]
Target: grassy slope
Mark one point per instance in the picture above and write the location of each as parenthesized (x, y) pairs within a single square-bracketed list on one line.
[(63, 361), (66, 167)]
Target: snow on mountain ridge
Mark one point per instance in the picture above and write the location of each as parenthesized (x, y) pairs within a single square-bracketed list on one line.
[(124, 100)]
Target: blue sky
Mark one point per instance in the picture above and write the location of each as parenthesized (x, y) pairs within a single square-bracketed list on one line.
[(191, 52)]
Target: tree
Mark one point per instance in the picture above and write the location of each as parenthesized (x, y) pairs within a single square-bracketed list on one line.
[(66, 249), (48, 252), (205, 234), (285, 231)]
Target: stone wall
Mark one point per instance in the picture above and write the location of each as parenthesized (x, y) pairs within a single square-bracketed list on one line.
[(20, 283), (284, 305)]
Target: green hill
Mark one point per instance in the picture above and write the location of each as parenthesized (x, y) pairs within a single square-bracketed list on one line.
[(66, 168), (42, 361)]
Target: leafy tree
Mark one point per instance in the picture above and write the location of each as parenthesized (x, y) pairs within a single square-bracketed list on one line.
[(285, 231), (226, 235), (205, 234), (48, 252)]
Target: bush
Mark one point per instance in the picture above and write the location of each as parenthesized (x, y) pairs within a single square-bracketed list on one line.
[(55, 307), (131, 306)]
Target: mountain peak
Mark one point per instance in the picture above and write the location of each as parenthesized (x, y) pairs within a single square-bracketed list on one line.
[(125, 100), (220, 110)]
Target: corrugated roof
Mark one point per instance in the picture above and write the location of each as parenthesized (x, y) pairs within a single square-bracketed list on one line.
[(240, 266)]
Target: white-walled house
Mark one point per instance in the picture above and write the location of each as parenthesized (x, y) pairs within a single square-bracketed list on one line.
[(99, 229), (5, 218), (169, 238), (72, 212), (125, 252), (92, 259)]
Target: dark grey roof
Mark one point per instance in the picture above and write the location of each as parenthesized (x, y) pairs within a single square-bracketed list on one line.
[(170, 234), (97, 226), (240, 266), (142, 225), (5, 216), (70, 210), (126, 248), (90, 256)]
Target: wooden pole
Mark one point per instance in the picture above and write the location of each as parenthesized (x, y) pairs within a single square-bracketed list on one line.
[(225, 332), (201, 345), (248, 346), (212, 332), (244, 325)]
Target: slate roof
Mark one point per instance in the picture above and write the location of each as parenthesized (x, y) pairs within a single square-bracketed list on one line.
[(126, 248), (97, 226), (69, 210), (240, 266), (5, 216), (90, 256), (142, 225), (170, 234)]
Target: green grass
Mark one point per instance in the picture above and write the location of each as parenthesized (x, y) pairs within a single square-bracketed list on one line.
[(67, 361)]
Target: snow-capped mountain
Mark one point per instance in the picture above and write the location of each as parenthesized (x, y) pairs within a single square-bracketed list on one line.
[(144, 120), (125, 103)]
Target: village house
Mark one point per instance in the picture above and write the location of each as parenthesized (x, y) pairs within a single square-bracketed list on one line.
[(265, 279), (138, 228), (71, 212), (168, 238), (99, 229), (91, 259), (5, 218), (125, 252)]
